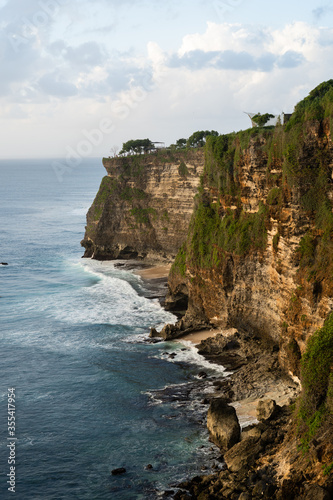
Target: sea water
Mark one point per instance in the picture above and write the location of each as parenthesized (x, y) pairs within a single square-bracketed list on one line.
[(90, 394)]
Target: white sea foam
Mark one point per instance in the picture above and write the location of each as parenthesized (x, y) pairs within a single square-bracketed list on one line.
[(110, 300), (189, 354)]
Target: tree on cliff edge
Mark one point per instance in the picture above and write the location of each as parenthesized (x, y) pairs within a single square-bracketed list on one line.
[(198, 139), (137, 146)]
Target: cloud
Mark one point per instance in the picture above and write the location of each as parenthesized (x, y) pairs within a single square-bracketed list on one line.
[(290, 59), (87, 54), (52, 84), (66, 73), (228, 59), (321, 12), (221, 37), (239, 61)]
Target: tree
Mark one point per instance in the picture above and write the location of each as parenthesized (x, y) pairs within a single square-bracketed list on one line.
[(137, 146), (198, 139), (261, 120), (180, 143)]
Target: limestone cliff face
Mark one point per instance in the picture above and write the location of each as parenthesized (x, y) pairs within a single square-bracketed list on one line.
[(258, 254), (144, 206)]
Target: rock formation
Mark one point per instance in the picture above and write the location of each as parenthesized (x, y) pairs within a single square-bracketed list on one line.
[(258, 252), (222, 423), (144, 205)]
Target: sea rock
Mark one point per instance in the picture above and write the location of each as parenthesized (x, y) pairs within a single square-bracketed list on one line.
[(153, 333), (117, 472), (222, 424), (266, 409)]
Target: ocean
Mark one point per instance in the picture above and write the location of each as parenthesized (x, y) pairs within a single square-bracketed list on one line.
[(88, 393)]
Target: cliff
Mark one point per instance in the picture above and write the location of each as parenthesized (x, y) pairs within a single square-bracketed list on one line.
[(248, 221), (144, 205), (258, 251), (259, 257)]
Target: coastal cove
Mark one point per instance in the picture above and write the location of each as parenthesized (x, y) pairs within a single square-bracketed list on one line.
[(246, 221), (91, 394)]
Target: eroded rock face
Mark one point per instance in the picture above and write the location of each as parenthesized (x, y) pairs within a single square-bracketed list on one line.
[(222, 424), (263, 288), (143, 207)]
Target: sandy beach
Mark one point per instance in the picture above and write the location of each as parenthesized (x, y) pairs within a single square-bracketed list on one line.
[(155, 272), (197, 337)]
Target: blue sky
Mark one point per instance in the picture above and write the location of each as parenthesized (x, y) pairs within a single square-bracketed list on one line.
[(80, 77)]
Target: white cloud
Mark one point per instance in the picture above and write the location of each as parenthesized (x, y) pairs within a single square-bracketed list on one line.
[(68, 74)]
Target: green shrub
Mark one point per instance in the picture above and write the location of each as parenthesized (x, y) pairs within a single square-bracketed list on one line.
[(142, 215), (129, 193), (183, 170), (274, 197)]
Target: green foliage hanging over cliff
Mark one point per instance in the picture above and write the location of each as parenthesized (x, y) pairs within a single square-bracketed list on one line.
[(236, 232), (107, 188), (316, 403), (219, 164), (215, 231), (307, 171)]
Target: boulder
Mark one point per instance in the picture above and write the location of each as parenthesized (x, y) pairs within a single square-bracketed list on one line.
[(120, 470), (243, 454), (222, 423), (266, 409)]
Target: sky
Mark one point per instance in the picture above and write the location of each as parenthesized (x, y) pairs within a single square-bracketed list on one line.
[(81, 77)]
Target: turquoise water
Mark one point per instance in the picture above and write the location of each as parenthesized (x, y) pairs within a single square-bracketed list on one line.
[(72, 331)]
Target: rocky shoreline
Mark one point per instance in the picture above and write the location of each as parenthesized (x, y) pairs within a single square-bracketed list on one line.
[(261, 460)]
